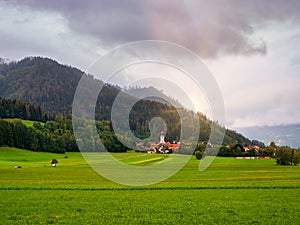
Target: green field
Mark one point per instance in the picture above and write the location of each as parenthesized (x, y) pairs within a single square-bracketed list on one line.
[(230, 191), (27, 123)]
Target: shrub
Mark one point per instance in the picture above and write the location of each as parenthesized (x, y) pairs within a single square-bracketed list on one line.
[(198, 155)]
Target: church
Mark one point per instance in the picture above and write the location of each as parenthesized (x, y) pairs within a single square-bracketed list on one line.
[(162, 147)]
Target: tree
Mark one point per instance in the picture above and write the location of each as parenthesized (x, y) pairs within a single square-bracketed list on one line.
[(273, 145), (287, 156), (37, 126), (198, 155), (296, 157), (224, 152), (283, 156), (252, 152), (269, 150), (238, 150)]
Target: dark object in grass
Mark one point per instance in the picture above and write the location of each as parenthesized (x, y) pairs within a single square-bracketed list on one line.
[(198, 155), (54, 162), (18, 167)]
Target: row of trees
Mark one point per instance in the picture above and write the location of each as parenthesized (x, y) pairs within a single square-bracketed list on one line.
[(54, 136), (283, 155), (39, 137), (11, 108), (57, 136), (238, 150)]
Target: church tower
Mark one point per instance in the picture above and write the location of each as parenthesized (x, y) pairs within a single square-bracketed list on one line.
[(162, 138)]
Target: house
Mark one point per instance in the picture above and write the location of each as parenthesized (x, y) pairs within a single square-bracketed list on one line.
[(249, 147)]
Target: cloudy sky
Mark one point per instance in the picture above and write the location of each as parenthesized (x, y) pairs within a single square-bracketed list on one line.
[(251, 47)]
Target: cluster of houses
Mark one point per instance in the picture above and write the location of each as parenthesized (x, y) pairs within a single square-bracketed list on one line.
[(160, 147), (252, 147), (253, 157), (163, 147)]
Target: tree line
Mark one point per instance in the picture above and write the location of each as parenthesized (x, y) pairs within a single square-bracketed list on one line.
[(55, 133), (12, 108), (57, 136), (284, 155), (53, 136)]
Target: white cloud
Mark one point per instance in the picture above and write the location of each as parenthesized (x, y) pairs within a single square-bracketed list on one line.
[(263, 90)]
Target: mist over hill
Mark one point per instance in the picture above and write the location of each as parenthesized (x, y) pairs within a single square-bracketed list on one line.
[(282, 135)]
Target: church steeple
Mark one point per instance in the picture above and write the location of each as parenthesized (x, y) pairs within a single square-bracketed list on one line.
[(162, 138)]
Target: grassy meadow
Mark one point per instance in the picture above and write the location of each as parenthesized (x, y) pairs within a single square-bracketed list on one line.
[(230, 191), (27, 123)]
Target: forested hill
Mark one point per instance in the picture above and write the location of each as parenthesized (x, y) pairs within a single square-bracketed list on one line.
[(46, 83), (40, 81)]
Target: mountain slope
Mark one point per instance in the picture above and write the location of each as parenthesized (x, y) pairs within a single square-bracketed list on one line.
[(154, 95), (44, 82)]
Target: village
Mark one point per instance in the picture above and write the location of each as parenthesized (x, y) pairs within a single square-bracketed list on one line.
[(162, 147)]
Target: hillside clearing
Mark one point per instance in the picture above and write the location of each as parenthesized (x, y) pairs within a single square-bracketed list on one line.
[(27, 123)]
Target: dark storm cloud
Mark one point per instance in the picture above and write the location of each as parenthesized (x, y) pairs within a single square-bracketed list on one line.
[(210, 28)]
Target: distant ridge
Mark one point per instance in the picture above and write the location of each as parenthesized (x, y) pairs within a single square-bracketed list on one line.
[(281, 134)]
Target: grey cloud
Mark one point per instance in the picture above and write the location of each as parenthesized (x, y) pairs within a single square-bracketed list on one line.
[(210, 28)]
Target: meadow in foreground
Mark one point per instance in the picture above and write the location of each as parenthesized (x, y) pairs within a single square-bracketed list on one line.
[(230, 191)]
